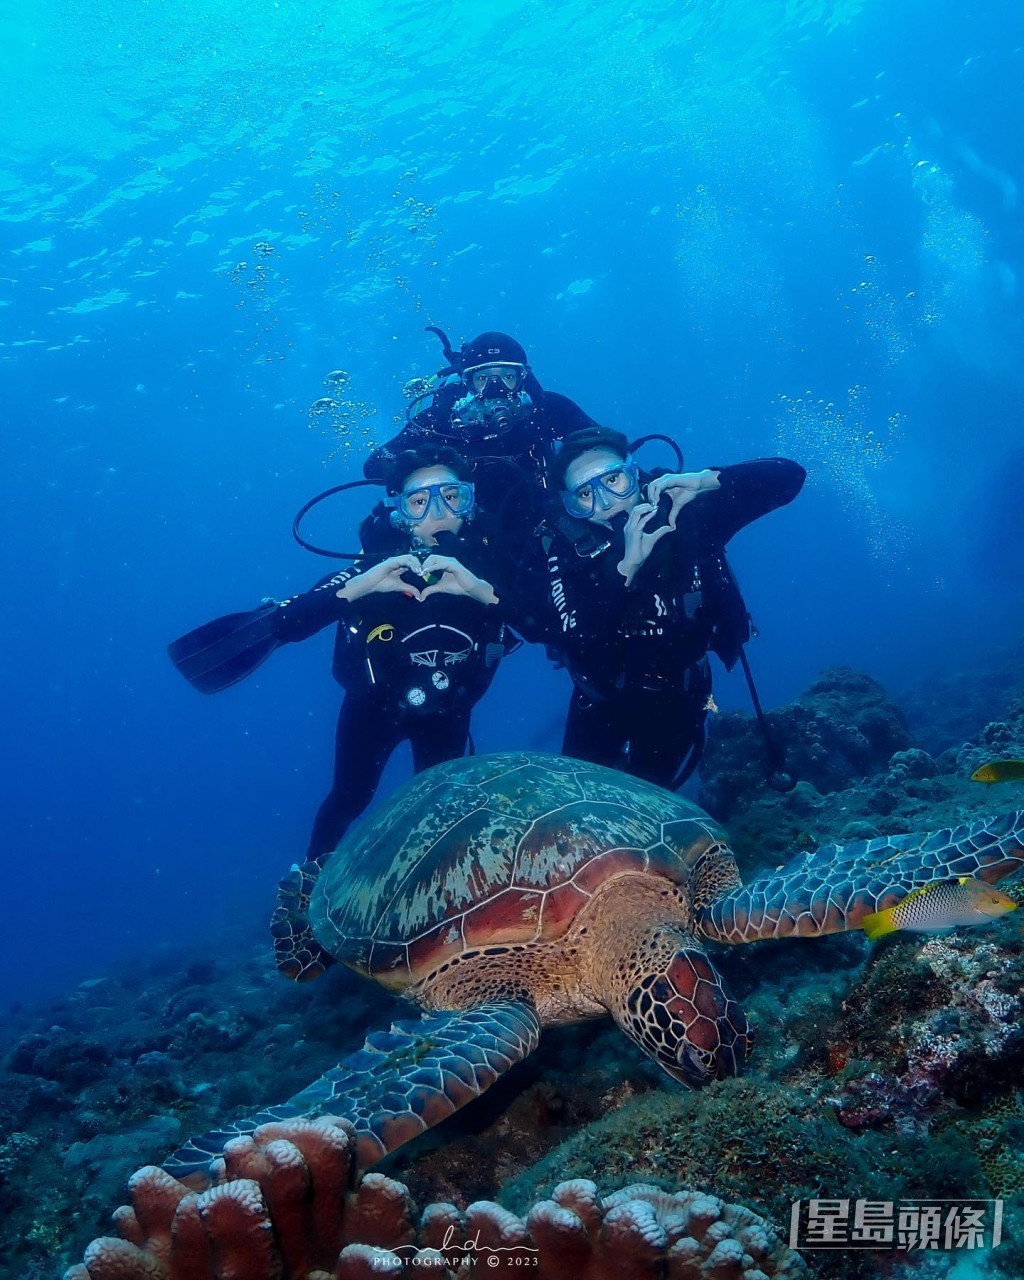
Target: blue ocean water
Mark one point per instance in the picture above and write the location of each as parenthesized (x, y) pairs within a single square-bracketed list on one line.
[(762, 227)]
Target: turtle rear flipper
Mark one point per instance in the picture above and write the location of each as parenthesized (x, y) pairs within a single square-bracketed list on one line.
[(401, 1083), (834, 888), (297, 953)]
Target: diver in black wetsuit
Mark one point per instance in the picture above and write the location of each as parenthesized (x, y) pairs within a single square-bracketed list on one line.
[(420, 634), (637, 592), (488, 404)]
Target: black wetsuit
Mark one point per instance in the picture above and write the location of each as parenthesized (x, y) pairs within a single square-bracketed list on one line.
[(503, 458), (638, 655), (410, 669)]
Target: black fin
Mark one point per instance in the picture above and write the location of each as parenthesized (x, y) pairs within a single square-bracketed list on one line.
[(226, 650)]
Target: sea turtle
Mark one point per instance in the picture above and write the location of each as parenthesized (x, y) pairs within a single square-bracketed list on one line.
[(506, 893)]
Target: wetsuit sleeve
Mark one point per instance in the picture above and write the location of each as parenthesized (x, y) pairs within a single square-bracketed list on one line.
[(748, 491), (304, 615)]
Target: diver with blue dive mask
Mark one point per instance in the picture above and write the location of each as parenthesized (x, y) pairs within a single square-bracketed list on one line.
[(633, 592), (420, 633)]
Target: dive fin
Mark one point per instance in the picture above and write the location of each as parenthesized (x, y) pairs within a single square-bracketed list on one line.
[(226, 650)]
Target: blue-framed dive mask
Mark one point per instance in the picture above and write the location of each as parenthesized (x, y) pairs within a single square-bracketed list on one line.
[(451, 497), (599, 493)]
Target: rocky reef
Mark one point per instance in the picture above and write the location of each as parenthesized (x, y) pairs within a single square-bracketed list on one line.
[(881, 1072), (843, 728)]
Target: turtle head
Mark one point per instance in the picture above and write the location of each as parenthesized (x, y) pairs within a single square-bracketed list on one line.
[(682, 1017)]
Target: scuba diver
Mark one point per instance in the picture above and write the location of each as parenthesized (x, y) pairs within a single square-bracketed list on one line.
[(420, 635), (487, 403), (636, 592)]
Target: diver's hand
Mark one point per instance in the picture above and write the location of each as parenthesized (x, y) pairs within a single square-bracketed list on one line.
[(682, 487), (386, 576), (639, 543), (455, 580)]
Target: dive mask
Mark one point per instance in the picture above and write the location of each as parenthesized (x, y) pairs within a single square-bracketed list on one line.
[(454, 497), (600, 492), (500, 378)]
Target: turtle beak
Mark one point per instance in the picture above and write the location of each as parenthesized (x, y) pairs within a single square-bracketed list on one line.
[(694, 1065), (700, 1066)]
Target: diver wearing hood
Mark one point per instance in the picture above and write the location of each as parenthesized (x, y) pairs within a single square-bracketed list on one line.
[(637, 593), (419, 637), (420, 633), (487, 403)]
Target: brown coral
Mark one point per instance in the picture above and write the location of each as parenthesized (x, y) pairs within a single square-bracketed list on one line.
[(288, 1205)]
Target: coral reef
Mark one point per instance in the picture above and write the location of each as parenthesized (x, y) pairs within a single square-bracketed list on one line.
[(80, 1131), (1000, 739), (288, 1208), (843, 727), (60, 1056), (933, 1025), (778, 1142)]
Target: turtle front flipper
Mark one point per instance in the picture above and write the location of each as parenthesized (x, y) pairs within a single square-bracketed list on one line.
[(833, 889), (401, 1083)]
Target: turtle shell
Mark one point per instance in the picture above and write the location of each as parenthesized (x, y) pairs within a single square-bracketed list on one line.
[(491, 851)]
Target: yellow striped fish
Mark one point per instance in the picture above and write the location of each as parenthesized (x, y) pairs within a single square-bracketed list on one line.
[(945, 904)]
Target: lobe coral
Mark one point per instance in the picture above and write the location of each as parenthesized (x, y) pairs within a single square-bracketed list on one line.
[(289, 1204)]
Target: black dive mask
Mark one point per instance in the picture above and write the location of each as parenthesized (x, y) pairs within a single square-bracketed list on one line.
[(495, 389)]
